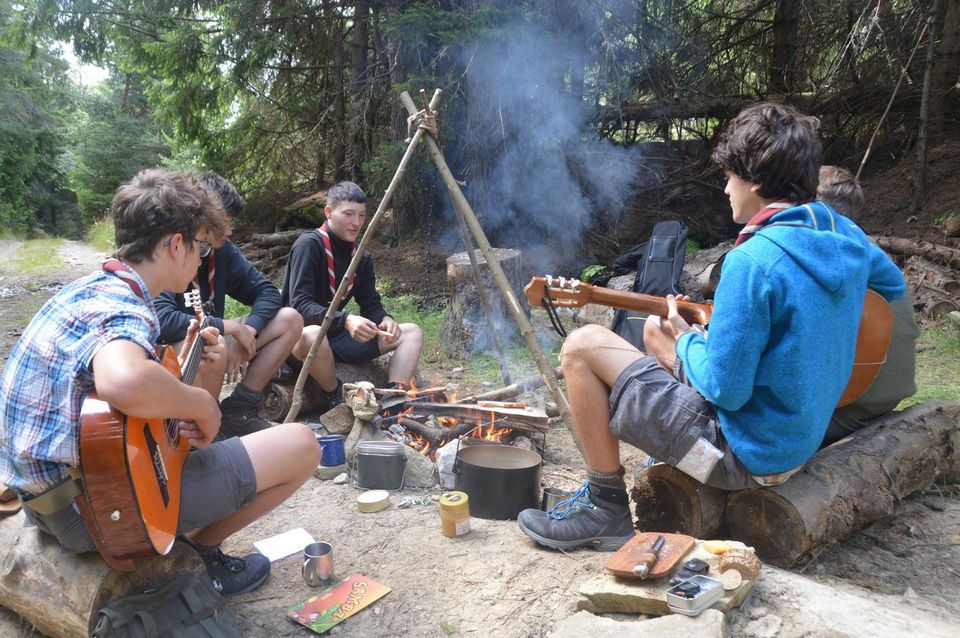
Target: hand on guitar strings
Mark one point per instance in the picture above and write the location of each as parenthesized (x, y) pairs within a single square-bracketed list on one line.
[(192, 432), (214, 348)]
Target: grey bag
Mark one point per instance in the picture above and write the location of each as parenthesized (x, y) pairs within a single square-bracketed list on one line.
[(186, 607)]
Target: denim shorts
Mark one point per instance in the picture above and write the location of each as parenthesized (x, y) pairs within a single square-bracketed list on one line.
[(667, 418), (217, 480)]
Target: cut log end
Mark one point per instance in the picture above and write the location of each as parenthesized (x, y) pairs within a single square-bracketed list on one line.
[(768, 522), (667, 500)]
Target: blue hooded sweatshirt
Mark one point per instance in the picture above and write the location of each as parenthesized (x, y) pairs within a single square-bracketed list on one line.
[(783, 333)]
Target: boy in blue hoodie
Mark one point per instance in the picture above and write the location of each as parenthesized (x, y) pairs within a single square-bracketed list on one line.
[(749, 405)]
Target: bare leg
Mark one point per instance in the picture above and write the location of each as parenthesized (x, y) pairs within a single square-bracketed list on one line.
[(322, 369), (592, 359), (659, 345), (274, 343), (283, 458), (406, 353)]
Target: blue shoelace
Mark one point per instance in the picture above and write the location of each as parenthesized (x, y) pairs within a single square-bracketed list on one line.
[(577, 501)]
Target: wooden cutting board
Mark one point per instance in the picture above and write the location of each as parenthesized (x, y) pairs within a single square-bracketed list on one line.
[(675, 547)]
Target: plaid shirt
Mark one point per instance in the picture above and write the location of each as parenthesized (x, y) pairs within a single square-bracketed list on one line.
[(50, 373)]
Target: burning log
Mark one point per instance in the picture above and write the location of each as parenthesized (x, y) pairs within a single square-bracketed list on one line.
[(503, 404), (413, 394), (531, 418)]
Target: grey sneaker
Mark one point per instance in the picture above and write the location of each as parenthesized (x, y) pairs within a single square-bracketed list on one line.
[(239, 417), (232, 575), (579, 522)]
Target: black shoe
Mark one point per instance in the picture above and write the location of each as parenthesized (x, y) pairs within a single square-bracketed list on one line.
[(579, 521), (239, 417), (284, 374), (232, 575), (334, 397)]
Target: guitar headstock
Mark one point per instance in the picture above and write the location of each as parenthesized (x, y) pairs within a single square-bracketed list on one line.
[(191, 299), (558, 291)]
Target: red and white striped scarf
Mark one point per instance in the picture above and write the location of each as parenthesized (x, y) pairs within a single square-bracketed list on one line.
[(121, 270), (211, 270), (328, 250), (760, 220)]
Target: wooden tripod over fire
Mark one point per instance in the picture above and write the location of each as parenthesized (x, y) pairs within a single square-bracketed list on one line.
[(426, 130)]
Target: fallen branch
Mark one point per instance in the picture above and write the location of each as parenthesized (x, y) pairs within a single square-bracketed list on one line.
[(511, 391), (901, 246)]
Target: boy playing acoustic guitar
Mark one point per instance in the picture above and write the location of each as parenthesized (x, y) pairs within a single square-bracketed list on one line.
[(749, 405), (98, 334)]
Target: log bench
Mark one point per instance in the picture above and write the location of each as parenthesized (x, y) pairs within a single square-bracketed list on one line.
[(60, 594), (844, 487)]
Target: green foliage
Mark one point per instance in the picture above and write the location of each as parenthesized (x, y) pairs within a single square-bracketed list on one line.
[(38, 255), (112, 137), (34, 95), (938, 375), (101, 235), (692, 247), (594, 270), (233, 309)]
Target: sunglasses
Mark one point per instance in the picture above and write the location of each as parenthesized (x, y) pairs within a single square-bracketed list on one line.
[(205, 247)]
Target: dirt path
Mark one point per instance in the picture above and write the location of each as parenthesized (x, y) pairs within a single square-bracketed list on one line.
[(494, 582)]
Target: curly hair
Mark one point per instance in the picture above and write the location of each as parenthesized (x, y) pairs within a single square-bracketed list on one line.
[(157, 203), (773, 146)]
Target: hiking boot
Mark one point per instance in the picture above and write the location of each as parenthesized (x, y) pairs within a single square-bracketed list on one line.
[(232, 575), (334, 397), (579, 521), (239, 417)]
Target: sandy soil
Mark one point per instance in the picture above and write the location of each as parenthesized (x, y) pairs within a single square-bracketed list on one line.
[(493, 581)]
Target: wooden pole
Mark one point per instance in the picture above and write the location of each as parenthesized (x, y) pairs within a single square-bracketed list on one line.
[(352, 268), (462, 207)]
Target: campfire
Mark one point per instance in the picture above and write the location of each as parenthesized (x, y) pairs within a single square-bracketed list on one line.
[(427, 419)]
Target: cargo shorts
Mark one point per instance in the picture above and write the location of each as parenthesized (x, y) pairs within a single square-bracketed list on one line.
[(667, 418), (217, 480)]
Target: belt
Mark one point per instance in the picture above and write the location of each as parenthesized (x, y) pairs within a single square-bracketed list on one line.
[(56, 498)]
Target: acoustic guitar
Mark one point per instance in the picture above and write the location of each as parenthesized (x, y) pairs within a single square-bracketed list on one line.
[(873, 336), (131, 468)]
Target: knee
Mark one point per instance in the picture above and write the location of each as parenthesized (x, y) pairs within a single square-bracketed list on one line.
[(304, 440), (289, 321), (581, 344), (412, 333), (307, 337)]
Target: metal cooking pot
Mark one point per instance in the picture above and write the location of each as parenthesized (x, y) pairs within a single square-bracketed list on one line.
[(501, 480)]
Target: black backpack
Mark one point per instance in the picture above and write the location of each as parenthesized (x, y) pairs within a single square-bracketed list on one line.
[(659, 263)]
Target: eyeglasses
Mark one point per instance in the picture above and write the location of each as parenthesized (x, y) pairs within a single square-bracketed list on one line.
[(205, 247)]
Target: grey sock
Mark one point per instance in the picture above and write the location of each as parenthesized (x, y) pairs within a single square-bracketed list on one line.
[(613, 480), (243, 393)]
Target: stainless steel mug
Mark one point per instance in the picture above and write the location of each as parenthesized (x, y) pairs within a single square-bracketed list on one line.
[(317, 567), (552, 496)]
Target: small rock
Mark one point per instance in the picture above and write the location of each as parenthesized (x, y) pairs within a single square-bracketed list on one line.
[(456, 373), (341, 478), (766, 627), (758, 612), (325, 473), (909, 593)]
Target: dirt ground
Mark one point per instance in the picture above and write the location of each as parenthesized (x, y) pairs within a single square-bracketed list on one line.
[(493, 581)]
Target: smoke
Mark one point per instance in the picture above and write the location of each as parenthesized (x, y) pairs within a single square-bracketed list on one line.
[(544, 176)]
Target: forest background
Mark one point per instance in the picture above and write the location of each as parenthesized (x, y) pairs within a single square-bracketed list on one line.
[(574, 124)]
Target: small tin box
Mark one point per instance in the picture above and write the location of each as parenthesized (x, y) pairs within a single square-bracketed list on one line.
[(694, 595)]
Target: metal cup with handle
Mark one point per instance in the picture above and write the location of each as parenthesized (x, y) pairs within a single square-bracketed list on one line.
[(317, 567)]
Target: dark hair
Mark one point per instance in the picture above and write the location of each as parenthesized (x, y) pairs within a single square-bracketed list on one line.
[(157, 203), (232, 201), (840, 188), (774, 146), (345, 192)]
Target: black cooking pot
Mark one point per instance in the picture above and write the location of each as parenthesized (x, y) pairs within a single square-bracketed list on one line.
[(501, 480)]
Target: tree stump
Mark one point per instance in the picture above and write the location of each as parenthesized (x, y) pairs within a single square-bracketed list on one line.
[(858, 480), (466, 330), (60, 594), (667, 500)]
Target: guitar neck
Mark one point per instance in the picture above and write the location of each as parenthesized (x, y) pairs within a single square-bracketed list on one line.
[(691, 312), (192, 362)]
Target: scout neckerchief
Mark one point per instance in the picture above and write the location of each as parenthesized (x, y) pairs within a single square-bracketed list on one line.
[(760, 220), (328, 250), (121, 270), (210, 272)]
